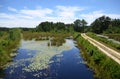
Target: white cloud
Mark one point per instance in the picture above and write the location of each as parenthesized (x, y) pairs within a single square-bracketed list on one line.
[(24, 16), (12, 9), (114, 15), (18, 23), (90, 17), (14, 17), (32, 17), (58, 19), (25, 7), (37, 12), (6, 16), (68, 11)]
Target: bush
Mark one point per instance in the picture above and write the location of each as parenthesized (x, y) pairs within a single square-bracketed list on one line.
[(8, 42)]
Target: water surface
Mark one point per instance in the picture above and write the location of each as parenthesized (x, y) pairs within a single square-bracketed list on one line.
[(36, 60)]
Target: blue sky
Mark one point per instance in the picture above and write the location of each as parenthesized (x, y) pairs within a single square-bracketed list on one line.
[(29, 13)]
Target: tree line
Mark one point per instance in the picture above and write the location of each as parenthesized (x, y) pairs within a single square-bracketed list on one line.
[(78, 26), (103, 24)]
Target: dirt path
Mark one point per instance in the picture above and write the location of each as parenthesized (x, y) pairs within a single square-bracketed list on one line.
[(106, 50)]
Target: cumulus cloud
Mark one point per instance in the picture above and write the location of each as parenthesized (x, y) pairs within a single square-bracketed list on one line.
[(6, 16), (12, 9), (68, 11), (24, 18), (37, 12), (18, 23), (90, 17), (32, 17), (114, 15)]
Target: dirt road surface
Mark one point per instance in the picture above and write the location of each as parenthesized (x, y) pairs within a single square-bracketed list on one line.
[(106, 50)]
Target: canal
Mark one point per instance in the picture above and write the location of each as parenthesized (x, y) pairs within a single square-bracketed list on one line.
[(37, 60)]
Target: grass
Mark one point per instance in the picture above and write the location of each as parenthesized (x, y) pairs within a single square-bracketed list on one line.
[(105, 41), (9, 41), (8, 46), (114, 36), (103, 66), (57, 39)]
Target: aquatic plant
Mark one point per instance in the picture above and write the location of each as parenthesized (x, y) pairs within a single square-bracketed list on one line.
[(41, 59), (57, 39)]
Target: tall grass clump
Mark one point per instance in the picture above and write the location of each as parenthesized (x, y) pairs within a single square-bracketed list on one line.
[(8, 44), (57, 39)]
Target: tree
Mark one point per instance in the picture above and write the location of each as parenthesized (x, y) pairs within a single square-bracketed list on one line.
[(77, 25), (84, 23), (101, 24), (59, 26), (114, 26), (69, 28), (96, 27), (45, 26), (115, 22)]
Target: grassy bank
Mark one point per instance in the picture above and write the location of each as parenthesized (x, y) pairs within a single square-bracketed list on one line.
[(105, 41), (104, 67), (8, 43)]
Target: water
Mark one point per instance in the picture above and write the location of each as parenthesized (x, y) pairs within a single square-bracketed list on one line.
[(36, 60), (112, 40)]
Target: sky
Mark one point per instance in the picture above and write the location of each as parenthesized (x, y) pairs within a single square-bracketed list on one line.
[(30, 13)]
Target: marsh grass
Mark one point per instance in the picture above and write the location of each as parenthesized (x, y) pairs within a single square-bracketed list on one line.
[(56, 39), (114, 36), (9, 42)]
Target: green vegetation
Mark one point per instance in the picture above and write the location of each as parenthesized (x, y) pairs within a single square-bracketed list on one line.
[(79, 25), (54, 27), (9, 40), (106, 25), (114, 36), (101, 24), (56, 39), (104, 67), (41, 59), (60, 27), (105, 41)]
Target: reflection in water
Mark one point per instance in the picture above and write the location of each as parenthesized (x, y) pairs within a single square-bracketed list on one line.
[(35, 60)]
